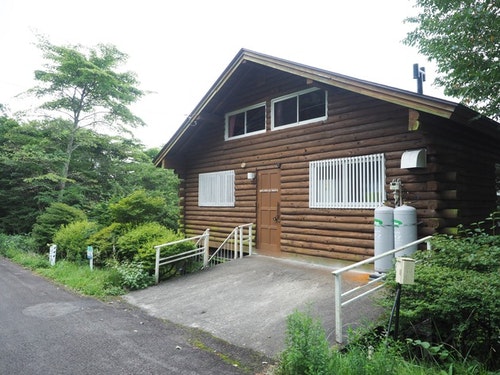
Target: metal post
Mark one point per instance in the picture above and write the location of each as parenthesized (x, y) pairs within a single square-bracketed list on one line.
[(235, 243), (157, 265), (206, 245), (241, 242), (398, 304), (250, 240), (338, 308)]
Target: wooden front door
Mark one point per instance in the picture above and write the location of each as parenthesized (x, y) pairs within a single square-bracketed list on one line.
[(268, 209)]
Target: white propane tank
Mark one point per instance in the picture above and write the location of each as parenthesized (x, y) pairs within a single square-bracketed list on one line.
[(405, 229), (384, 237)]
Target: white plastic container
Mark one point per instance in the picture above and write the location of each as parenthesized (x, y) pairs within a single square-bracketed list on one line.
[(384, 237), (405, 229)]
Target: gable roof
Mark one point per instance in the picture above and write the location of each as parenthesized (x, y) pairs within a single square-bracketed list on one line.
[(427, 104)]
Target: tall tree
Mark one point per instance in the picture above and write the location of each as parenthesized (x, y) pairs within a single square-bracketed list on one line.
[(29, 161), (103, 168), (85, 87), (463, 38)]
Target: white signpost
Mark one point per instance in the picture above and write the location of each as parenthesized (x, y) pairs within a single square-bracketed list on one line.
[(90, 256), (52, 254)]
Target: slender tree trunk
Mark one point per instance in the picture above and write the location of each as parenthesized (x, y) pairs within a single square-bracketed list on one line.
[(70, 147)]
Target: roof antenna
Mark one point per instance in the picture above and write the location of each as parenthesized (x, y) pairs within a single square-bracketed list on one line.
[(419, 75)]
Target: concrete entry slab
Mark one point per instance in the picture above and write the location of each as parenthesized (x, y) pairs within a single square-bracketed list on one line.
[(245, 302)]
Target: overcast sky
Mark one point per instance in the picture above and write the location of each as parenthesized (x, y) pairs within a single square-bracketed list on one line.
[(179, 48)]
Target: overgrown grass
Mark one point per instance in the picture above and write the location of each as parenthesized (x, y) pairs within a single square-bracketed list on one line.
[(102, 282), (99, 282), (308, 353)]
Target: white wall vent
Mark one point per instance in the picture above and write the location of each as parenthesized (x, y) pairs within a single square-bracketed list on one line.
[(414, 159)]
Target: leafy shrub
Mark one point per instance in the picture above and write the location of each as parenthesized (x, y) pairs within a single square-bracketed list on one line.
[(138, 244), (18, 242), (307, 350), (139, 237), (477, 252), (455, 299), (104, 242), (133, 276), (49, 222), (138, 207), (457, 307), (72, 240)]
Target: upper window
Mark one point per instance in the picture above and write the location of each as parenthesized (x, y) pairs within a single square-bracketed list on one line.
[(355, 182), (299, 108), (246, 121), (216, 189)]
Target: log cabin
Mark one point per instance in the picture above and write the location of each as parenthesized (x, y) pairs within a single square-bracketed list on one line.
[(307, 155)]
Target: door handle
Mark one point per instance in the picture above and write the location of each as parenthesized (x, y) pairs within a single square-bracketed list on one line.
[(276, 219)]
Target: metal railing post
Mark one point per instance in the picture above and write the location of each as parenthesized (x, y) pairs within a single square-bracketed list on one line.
[(157, 265), (241, 241), (338, 308), (235, 243), (250, 242), (206, 245)]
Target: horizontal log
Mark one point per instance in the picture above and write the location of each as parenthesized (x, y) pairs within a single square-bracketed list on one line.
[(305, 248), (319, 229), (341, 227), (328, 240)]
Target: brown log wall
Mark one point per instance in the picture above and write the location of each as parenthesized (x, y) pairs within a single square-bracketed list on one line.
[(442, 193)]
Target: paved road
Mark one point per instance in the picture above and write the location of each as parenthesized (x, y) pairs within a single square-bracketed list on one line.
[(44, 329)]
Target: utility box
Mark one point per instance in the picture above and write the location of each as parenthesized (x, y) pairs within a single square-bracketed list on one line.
[(405, 270)]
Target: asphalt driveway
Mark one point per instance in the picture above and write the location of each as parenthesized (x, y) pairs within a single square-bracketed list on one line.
[(245, 302)]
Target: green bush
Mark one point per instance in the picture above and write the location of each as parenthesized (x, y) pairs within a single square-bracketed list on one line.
[(49, 222), (104, 242), (476, 252), (455, 300), (138, 244), (138, 207), (16, 243), (307, 350), (72, 240), (133, 276)]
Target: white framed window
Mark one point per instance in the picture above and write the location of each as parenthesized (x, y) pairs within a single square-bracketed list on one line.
[(354, 182), (299, 108), (216, 189), (246, 121)]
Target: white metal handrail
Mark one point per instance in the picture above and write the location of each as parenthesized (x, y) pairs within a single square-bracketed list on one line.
[(248, 238), (201, 250), (234, 244), (338, 283)]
